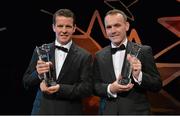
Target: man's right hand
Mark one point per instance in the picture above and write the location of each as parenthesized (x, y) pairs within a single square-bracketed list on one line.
[(115, 87)]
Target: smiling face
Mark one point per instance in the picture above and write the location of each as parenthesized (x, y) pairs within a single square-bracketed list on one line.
[(64, 29), (116, 27)]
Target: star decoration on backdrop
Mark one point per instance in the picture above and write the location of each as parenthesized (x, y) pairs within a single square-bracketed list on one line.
[(169, 71), (172, 24), (126, 7)]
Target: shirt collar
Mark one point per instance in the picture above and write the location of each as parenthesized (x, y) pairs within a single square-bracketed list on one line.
[(68, 45), (125, 44)]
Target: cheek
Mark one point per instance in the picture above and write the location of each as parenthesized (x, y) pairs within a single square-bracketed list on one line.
[(108, 32), (56, 30), (71, 32)]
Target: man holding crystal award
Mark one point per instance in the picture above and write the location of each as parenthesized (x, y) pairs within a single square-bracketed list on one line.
[(61, 70), (124, 71)]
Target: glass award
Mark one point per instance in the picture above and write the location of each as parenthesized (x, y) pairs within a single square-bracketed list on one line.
[(127, 71), (43, 54)]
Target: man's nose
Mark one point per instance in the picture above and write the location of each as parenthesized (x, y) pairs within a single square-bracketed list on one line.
[(64, 29), (113, 30)]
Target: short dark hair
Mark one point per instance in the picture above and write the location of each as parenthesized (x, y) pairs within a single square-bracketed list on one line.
[(65, 13), (117, 11)]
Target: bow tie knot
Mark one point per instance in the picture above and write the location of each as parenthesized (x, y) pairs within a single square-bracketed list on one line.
[(62, 48), (121, 47)]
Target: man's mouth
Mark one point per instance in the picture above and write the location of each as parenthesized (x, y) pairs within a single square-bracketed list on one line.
[(63, 35)]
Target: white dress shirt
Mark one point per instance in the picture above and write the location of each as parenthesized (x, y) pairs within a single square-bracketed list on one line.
[(60, 56), (118, 59)]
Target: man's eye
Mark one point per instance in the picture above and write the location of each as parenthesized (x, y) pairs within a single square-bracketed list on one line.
[(61, 26), (117, 25), (108, 27), (68, 26)]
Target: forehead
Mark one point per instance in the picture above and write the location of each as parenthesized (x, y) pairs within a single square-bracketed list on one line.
[(114, 18), (63, 19)]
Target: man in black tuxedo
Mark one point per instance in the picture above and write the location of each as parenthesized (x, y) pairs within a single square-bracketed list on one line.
[(71, 67), (109, 66)]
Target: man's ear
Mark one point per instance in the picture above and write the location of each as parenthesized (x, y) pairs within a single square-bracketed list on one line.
[(127, 26), (74, 28), (53, 27)]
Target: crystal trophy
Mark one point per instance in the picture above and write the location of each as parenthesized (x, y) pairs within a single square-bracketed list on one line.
[(43, 54), (127, 71)]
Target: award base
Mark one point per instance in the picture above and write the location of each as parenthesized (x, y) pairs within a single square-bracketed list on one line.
[(124, 81), (50, 83)]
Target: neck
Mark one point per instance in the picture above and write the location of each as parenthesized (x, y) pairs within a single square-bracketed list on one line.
[(119, 43)]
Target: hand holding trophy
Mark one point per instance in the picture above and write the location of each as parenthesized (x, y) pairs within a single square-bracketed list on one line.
[(127, 70), (43, 54)]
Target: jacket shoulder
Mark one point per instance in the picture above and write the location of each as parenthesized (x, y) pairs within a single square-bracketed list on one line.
[(82, 50), (144, 47), (103, 50)]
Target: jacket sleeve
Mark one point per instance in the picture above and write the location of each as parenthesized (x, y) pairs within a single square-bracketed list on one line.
[(100, 88), (150, 76), (30, 77)]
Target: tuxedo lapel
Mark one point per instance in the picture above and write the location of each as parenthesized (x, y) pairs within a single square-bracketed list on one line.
[(68, 61), (109, 63), (125, 62)]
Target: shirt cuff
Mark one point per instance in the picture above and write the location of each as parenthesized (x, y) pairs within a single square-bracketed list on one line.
[(139, 79), (109, 92)]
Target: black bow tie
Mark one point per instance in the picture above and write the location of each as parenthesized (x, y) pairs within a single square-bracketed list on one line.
[(121, 47), (62, 48)]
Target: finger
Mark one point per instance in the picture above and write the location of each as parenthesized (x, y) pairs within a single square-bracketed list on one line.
[(50, 63), (136, 67), (43, 86), (40, 62), (41, 72), (129, 87)]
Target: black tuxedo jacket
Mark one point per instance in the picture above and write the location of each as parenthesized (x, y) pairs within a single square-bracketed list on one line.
[(133, 101), (74, 79)]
